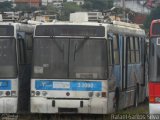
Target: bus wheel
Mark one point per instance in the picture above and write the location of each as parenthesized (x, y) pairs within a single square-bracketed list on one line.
[(116, 99), (136, 98)]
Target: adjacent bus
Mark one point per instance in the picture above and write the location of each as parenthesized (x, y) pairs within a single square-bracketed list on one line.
[(12, 49), (154, 69), (93, 68)]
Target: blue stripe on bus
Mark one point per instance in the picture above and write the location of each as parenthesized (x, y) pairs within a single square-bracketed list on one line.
[(68, 85), (5, 84)]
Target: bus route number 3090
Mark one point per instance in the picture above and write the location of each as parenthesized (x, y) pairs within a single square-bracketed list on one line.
[(85, 85)]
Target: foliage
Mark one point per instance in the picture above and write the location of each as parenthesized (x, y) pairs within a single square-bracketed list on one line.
[(51, 9), (153, 15), (98, 5), (6, 6), (25, 8), (62, 12), (69, 7)]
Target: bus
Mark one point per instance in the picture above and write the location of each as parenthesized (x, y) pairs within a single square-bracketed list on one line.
[(154, 72), (87, 68), (12, 58)]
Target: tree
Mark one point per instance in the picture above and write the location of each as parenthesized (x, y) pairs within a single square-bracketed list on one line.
[(52, 9), (25, 8), (6, 6), (98, 4), (69, 7), (153, 15)]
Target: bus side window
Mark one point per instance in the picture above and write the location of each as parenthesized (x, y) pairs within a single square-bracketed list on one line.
[(128, 47), (137, 50), (116, 49), (132, 50)]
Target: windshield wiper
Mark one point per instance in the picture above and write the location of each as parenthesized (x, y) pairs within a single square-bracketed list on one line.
[(56, 43), (80, 46)]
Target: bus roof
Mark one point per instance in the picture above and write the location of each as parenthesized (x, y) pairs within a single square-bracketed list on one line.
[(115, 26)]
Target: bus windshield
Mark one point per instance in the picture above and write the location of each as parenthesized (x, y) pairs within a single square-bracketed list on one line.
[(49, 59), (69, 58), (8, 60), (6, 30)]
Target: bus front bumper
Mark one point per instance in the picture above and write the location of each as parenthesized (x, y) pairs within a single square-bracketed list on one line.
[(44, 105), (154, 108), (8, 105)]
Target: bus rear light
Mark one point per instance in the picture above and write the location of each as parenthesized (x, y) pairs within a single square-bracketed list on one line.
[(8, 93), (32, 93), (151, 99), (104, 94), (154, 99), (13, 93), (154, 92), (157, 99)]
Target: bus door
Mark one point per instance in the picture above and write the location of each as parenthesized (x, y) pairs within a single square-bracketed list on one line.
[(143, 60), (125, 62), (128, 72), (114, 68), (124, 69)]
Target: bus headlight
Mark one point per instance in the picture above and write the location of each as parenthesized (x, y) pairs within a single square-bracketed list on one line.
[(104, 94), (98, 94), (8, 93), (90, 94), (32, 93), (1, 93), (157, 99), (13, 93), (37, 93), (44, 93)]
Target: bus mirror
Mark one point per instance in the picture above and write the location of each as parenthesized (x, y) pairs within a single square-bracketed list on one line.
[(110, 37), (19, 37)]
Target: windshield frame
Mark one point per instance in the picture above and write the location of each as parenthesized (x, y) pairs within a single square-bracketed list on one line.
[(80, 27)]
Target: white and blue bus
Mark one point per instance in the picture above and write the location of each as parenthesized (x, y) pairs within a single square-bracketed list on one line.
[(94, 68), (12, 49)]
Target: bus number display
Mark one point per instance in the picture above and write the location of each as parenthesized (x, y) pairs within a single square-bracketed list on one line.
[(69, 30), (85, 85)]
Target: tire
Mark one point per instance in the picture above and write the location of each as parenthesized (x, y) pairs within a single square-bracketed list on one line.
[(116, 99), (136, 99)]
